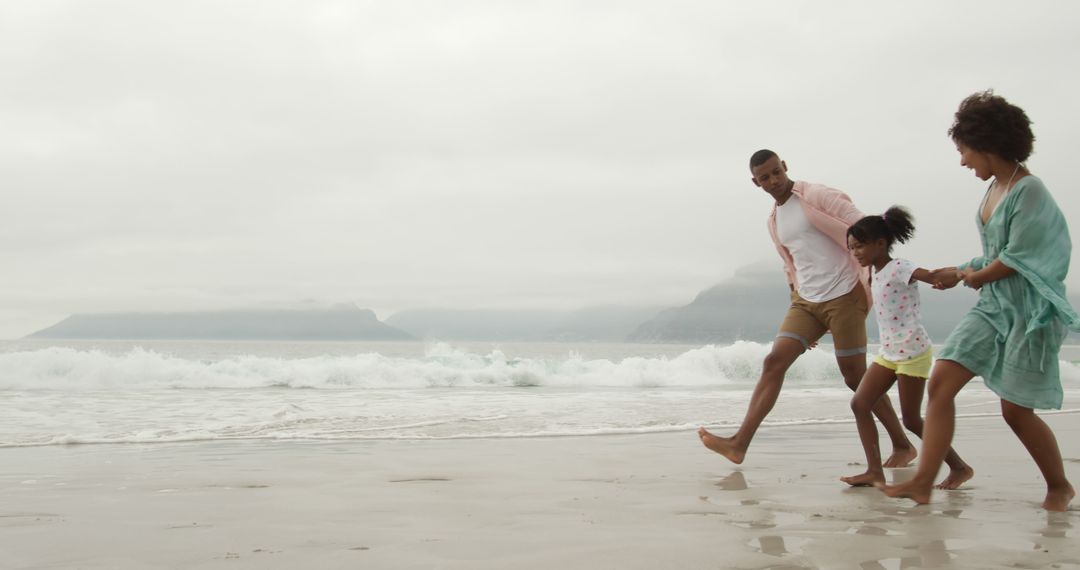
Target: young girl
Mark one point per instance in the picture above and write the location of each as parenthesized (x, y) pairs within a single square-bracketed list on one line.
[(1012, 336), (905, 347)]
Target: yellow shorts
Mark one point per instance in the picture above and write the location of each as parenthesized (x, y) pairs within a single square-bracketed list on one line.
[(918, 367)]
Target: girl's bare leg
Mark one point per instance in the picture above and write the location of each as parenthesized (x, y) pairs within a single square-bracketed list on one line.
[(853, 368), (946, 381), (1040, 442), (875, 383)]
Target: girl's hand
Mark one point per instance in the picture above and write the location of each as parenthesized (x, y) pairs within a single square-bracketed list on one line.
[(945, 278)]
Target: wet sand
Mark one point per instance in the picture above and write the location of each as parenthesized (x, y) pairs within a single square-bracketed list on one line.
[(646, 501)]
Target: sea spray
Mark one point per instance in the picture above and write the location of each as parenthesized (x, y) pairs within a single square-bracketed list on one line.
[(63, 395), (442, 366)]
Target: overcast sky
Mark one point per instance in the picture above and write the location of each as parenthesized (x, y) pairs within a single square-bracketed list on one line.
[(494, 154)]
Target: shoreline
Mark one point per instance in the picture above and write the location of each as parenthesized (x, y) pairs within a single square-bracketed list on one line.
[(624, 432), (617, 501)]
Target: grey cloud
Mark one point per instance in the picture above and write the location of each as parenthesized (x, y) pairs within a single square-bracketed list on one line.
[(479, 154)]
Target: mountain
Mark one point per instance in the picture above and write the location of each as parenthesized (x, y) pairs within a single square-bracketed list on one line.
[(751, 305), (339, 323), (592, 324), (607, 323), (748, 306), (480, 324)]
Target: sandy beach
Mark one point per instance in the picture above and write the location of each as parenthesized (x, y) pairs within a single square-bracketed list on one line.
[(640, 501)]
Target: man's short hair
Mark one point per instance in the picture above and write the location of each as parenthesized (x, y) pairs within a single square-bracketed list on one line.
[(760, 157)]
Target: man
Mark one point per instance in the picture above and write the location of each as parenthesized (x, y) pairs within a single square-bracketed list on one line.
[(829, 292)]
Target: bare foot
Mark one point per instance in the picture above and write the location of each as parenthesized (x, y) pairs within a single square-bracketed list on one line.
[(723, 445), (901, 457), (956, 478), (912, 489), (864, 479), (1058, 499)]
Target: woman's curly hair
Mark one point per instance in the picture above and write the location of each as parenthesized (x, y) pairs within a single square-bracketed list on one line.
[(988, 123)]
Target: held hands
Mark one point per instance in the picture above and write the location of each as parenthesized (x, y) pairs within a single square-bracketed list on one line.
[(949, 277), (946, 277)]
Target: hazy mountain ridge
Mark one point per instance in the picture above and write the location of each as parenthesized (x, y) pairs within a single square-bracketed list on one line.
[(348, 323), (605, 323), (748, 306), (752, 304)]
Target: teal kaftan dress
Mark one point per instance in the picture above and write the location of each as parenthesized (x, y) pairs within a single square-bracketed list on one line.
[(1013, 334)]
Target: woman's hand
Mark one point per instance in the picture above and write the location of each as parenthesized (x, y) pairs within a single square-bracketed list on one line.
[(972, 279), (945, 278)]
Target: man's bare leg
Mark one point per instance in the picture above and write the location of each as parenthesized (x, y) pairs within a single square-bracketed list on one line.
[(780, 358), (1040, 442), (853, 368), (946, 381)]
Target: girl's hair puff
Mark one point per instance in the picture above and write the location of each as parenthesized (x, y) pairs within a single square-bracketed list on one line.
[(895, 225)]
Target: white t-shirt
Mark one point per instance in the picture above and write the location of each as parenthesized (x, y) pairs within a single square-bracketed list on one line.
[(896, 304), (821, 265)]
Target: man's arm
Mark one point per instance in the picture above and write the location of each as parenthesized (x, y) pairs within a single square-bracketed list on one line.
[(835, 202)]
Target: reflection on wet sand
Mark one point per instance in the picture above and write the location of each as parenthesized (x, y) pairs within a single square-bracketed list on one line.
[(736, 481), (776, 545), (1057, 525), (892, 563), (787, 519), (931, 555), (770, 521)]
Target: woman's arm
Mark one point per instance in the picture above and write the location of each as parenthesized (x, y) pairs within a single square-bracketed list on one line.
[(993, 272)]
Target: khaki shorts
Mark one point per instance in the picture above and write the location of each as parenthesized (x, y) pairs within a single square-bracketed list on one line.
[(919, 367), (844, 317)]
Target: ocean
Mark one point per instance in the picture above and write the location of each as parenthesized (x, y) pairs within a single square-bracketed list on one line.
[(155, 392)]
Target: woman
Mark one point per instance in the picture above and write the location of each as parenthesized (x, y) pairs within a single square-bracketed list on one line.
[(1011, 338)]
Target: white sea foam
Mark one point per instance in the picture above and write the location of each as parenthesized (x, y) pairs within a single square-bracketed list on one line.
[(1070, 373), (62, 395), (441, 366)]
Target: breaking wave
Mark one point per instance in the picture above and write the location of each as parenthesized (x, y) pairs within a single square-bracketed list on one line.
[(441, 366)]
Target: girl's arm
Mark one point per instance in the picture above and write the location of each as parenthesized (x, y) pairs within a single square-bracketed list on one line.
[(993, 272), (944, 278), (923, 275)]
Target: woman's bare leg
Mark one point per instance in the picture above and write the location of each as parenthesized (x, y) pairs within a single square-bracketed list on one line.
[(911, 395), (1040, 442)]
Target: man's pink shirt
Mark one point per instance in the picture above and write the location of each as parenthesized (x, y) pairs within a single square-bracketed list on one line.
[(830, 211)]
